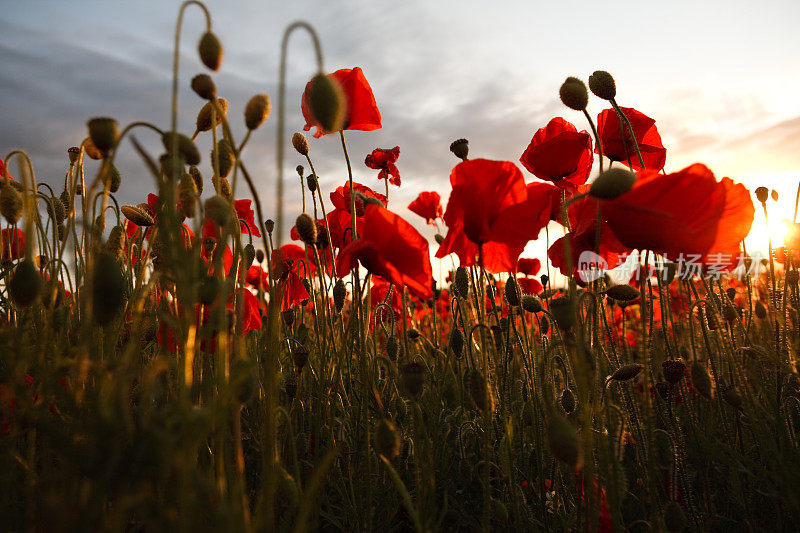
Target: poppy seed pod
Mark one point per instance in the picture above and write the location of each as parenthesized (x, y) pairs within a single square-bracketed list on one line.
[(460, 148), (311, 182), (260, 255), (567, 401), (73, 152), (339, 295), (137, 215), (412, 380), (300, 356), (300, 170), (392, 348), (531, 303), (203, 122), (25, 284), (115, 244), (673, 369), (103, 133), (204, 87), (462, 282), (108, 288), (701, 380), (561, 309), (10, 204), (226, 157), (512, 291), (562, 439), (194, 172), (307, 228), (387, 441), (186, 148), (327, 103), (622, 293), (249, 255), (602, 85), (218, 210), (257, 111), (762, 193), (674, 517), (480, 391), (300, 143), (573, 94), (187, 195), (210, 50), (612, 183), (269, 224), (626, 372), (56, 210)]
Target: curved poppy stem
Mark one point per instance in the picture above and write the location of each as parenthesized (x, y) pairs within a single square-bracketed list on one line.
[(622, 116), (596, 138), (352, 192), (176, 56)]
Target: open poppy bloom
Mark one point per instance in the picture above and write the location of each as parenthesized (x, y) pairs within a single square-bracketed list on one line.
[(244, 213), (687, 212), (341, 197), (3, 171), (12, 244), (362, 110), (285, 266), (428, 205), (617, 144), (296, 254), (384, 160), (528, 267), (559, 153), (491, 207), (391, 248)]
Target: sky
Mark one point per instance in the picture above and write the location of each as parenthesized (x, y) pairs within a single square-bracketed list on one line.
[(720, 79)]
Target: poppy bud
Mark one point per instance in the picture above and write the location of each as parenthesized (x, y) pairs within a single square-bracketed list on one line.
[(186, 148), (626, 372), (387, 441), (73, 153), (115, 244), (103, 133), (731, 397), (187, 194), (307, 228), (561, 309), (544, 325), (512, 291), (701, 380), (224, 187), (439, 238), (300, 356), (108, 288), (327, 103), (562, 438), (567, 401), (249, 255), (208, 290), (288, 317), (25, 284), (761, 311), (62, 232), (573, 94), (339, 294), (269, 225), (92, 151), (392, 348), (311, 181), (480, 391), (762, 193), (674, 370), (622, 293), (55, 209), (531, 303), (774, 195), (100, 224), (460, 148), (210, 50), (730, 313), (10, 204), (257, 111), (612, 183), (137, 215), (300, 143), (730, 292), (226, 157), (457, 342), (674, 517), (204, 87), (218, 210), (413, 334), (203, 122), (602, 85), (462, 282), (412, 379)]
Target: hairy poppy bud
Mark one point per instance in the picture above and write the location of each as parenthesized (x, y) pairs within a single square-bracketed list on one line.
[(387, 441), (562, 438), (567, 400), (186, 148), (512, 291), (774, 195), (729, 313), (300, 143), (626, 372), (544, 325), (439, 238), (300, 356), (701, 380), (91, 150), (113, 179), (73, 152), (257, 111), (602, 85), (561, 309), (760, 310), (108, 288), (203, 122), (260, 255), (300, 170), (612, 183), (573, 94), (218, 210), (137, 215), (187, 194), (762, 193), (622, 293), (56, 210), (412, 380), (249, 255), (223, 186), (210, 50), (226, 157), (115, 244), (730, 292), (307, 228), (197, 177), (462, 282), (100, 224), (103, 133), (311, 181), (339, 295), (25, 284), (460, 148), (204, 87), (10, 204), (457, 342), (674, 517), (326, 102), (531, 303), (269, 225), (480, 391), (674, 370), (62, 232)]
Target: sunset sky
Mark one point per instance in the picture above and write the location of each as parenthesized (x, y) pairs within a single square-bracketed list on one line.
[(720, 78)]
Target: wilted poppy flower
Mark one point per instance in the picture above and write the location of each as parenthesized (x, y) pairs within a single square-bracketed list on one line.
[(491, 207), (615, 140), (391, 248), (561, 154), (362, 110), (428, 205), (341, 197), (384, 160), (12, 244), (687, 212)]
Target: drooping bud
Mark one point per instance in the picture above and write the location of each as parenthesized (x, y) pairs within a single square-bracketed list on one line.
[(115, 244), (544, 325), (269, 224), (412, 380), (226, 157), (25, 284), (512, 291), (249, 255), (731, 396), (108, 288), (194, 172), (480, 391), (561, 309), (91, 150), (531, 303), (612, 183), (562, 439), (461, 284), (774, 195), (203, 122), (187, 194), (137, 215), (762, 193), (339, 295), (327, 103), (204, 87), (208, 290), (112, 179), (307, 228), (10, 204), (186, 148), (627, 372), (460, 148), (392, 347), (257, 111), (760, 310), (602, 85), (573, 94), (210, 50), (224, 187), (622, 293), (457, 342), (218, 210), (300, 143), (701, 380), (260, 255), (311, 182), (103, 133), (387, 441), (300, 356), (567, 400)]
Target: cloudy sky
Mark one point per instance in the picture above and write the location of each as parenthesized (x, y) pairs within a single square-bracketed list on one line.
[(720, 78)]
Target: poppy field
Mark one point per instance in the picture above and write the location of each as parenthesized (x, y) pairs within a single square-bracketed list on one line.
[(210, 359)]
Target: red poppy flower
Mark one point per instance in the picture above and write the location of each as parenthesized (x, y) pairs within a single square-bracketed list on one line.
[(529, 267), (12, 244), (615, 140), (3, 171), (286, 265), (251, 314), (384, 160), (559, 153), (377, 295), (530, 285), (257, 278), (428, 205), (687, 212), (341, 197), (490, 206), (391, 248), (362, 110), (295, 254)]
